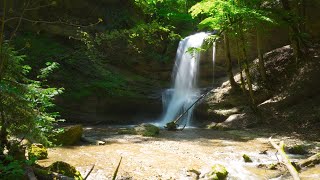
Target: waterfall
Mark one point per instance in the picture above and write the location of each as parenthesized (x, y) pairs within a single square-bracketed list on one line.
[(185, 91)]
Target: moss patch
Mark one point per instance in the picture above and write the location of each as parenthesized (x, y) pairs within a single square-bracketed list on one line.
[(218, 172), (65, 169), (70, 136), (246, 158), (147, 130), (297, 149), (37, 151)]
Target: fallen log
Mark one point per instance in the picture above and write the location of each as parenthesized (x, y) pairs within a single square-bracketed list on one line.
[(311, 161), (185, 112), (172, 126), (285, 160)]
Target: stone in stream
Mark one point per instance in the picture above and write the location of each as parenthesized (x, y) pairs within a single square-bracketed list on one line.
[(246, 158), (142, 129), (65, 169), (70, 135), (147, 130), (297, 149), (218, 172)]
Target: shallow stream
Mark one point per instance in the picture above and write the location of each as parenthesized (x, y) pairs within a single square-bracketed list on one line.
[(173, 154)]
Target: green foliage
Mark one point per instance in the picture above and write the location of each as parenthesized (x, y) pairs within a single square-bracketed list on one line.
[(165, 10), (227, 14), (25, 103), (145, 39), (13, 169), (39, 49)]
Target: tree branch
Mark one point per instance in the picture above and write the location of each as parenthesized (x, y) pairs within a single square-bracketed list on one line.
[(2, 38), (51, 22), (19, 22), (285, 159), (39, 7)]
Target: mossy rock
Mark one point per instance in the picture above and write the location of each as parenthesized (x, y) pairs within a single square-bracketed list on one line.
[(246, 158), (37, 151), (65, 169), (171, 126), (70, 135), (297, 149), (147, 130), (218, 172), (127, 131)]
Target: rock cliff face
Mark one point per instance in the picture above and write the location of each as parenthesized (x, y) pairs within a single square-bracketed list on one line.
[(122, 14)]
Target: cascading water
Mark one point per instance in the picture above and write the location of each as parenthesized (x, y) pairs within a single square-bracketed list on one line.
[(185, 91)]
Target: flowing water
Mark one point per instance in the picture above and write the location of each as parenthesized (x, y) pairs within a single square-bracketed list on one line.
[(173, 154), (185, 74)]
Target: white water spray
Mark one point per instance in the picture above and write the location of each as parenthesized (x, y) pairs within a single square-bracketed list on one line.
[(185, 91)]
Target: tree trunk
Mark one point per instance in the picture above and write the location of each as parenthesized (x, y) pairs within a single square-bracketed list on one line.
[(228, 62), (2, 37), (295, 32), (247, 72), (303, 14), (262, 68), (243, 85), (3, 133)]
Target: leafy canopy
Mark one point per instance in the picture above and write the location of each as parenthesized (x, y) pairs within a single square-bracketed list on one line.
[(226, 14)]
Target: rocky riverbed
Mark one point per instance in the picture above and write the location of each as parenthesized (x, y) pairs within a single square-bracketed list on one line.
[(179, 154)]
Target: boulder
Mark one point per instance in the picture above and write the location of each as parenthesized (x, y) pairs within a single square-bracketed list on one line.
[(297, 149), (37, 151), (147, 130), (171, 126), (218, 172), (70, 135), (246, 158), (65, 169), (239, 121)]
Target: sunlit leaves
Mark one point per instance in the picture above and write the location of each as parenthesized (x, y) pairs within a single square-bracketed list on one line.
[(227, 14), (26, 102)]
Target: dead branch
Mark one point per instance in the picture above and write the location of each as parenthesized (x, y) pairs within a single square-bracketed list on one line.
[(285, 159), (19, 22), (311, 161), (89, 172)]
